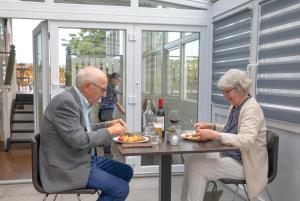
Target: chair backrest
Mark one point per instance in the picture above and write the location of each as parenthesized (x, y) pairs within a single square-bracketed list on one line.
[(35, 148), (272, 147)]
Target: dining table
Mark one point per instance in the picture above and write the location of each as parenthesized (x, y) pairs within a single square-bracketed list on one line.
[(164, 150)]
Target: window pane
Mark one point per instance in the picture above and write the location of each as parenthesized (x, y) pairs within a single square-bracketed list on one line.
[(97, 2), (163, 68), (173, 36), (173, 72), (191, 62), (2, 35), (104, 49), (158, 73), (231, 48), (35, 0), (147, 75), (161, 4), (157, 39), (187, 33), (146, 42), (278, 72)]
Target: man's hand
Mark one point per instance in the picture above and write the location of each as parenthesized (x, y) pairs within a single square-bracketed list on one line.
[(117, 129), (117, 121), (208, 134)]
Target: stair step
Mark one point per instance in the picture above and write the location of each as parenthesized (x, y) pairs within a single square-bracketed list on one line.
[(22, 112), (24, 98), (20, 140), (22, 121), (23, 131), (23, 103)]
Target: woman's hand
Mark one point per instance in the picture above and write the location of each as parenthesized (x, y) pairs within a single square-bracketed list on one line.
[(208, 134), (204, 125)]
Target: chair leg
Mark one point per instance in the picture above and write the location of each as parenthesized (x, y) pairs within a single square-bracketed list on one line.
[(55, 197), (246, 192), (234, 194), (45, 197), (268, 192), (78, 197)]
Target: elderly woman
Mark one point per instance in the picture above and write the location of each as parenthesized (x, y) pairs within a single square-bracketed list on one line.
[(245, 128)]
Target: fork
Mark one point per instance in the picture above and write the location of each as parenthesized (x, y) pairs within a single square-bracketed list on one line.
[(192, 122)]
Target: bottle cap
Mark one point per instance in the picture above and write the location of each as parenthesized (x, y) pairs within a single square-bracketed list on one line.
[(160, 102)]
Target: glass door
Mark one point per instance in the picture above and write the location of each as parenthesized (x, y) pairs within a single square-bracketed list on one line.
[(169, 60), (41, 71), (105, 46)]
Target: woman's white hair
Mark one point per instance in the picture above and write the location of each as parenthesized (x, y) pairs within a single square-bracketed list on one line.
[(86, 74), (235, 79)]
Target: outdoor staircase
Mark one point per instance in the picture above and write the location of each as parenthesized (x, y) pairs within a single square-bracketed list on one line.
[(21, 120)]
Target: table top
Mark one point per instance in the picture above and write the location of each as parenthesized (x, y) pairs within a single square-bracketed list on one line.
[(184, 146)]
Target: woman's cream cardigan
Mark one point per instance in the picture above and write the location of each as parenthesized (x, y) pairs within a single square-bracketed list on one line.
[(251, 139)]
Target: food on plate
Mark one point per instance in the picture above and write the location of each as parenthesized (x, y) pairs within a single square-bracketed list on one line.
[(192, 136), (134, 137)]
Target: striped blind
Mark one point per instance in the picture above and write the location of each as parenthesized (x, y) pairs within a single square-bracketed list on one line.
[(231, 49), (278, 72)]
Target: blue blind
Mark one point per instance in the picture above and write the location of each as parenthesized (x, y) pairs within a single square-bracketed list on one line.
[(278, 73), (231, 49)]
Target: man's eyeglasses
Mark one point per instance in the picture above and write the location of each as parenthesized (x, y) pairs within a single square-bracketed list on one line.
[(101, 88)]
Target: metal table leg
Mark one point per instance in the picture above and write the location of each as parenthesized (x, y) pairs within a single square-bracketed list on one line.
[(165, 163)]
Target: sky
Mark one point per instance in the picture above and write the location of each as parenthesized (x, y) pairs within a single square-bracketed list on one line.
[(22, 39)]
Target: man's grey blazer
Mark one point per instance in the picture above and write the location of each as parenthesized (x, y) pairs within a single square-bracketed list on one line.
[(65, 144)]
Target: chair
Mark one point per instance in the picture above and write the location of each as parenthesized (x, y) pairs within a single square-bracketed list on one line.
[(272, 147), (35, 144)]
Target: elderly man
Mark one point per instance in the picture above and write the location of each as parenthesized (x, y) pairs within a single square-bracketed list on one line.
[(67, 160)]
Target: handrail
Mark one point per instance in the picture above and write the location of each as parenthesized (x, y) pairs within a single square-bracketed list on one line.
[(10, 66)]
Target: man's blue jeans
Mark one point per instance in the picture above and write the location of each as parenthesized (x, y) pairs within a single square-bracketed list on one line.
[(111, 177)]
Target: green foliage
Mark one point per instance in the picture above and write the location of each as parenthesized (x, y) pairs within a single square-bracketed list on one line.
[(88, 42)]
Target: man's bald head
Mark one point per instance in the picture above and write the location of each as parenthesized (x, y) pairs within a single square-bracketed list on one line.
[(89, 74)]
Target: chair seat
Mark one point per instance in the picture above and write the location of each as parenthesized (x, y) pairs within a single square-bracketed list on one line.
[(232, 181)]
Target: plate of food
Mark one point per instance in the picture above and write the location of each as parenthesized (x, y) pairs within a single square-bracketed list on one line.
[(131, 138), (191, 135)]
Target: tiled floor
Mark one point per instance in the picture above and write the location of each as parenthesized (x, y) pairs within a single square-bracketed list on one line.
[(141, 189)]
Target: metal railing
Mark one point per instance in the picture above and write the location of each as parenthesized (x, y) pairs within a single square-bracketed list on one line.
[(10, 66)]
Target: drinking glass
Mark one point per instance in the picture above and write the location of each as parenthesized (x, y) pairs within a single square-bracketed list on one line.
[(154, 137), (174, 116), (158, 127)]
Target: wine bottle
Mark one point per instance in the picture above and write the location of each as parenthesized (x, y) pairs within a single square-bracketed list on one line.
[(160, 115)]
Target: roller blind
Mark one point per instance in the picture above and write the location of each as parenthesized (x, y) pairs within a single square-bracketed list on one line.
[(231, 49), (278, 72)]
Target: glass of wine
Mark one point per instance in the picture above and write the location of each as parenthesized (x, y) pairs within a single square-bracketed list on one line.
[(174, 116), (175, 127)]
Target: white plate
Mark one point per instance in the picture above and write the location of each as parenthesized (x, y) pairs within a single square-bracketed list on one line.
[(187, 135), (116, 139)]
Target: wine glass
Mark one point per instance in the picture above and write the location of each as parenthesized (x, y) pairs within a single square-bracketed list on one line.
[(174, 116)]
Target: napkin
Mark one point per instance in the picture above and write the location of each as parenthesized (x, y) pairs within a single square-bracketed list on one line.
[(130, 145)]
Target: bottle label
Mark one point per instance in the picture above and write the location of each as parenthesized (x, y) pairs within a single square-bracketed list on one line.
[(161, 120)]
